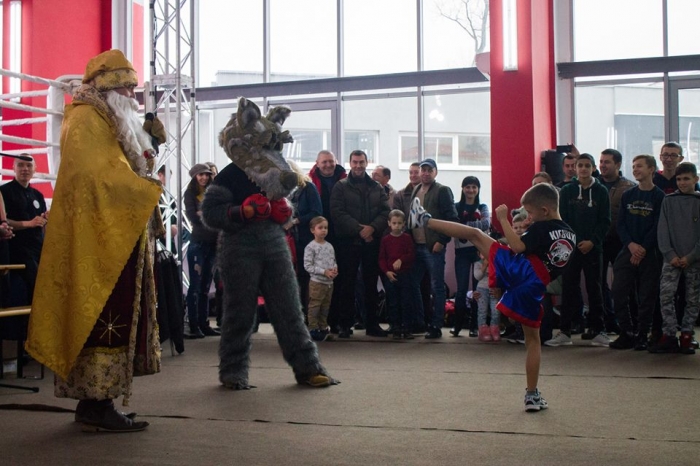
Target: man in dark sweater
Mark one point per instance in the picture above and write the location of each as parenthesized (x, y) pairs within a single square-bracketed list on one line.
[(639, 263)]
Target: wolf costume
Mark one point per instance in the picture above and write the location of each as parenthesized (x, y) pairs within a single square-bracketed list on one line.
[(247, 202)]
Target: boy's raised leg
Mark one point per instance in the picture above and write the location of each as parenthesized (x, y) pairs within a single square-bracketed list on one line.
[(418, 217)]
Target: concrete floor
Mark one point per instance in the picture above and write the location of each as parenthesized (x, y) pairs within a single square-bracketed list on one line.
[(419, 402)]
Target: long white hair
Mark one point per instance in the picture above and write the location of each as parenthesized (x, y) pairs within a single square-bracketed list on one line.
[(133, 139)]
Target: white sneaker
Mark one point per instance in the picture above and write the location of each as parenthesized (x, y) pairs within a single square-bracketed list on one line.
[(601, 339), (535, 402), (417, 217), (562, 339)]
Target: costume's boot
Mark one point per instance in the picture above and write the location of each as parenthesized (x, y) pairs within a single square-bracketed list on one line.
[(102, 416), (84, 407)]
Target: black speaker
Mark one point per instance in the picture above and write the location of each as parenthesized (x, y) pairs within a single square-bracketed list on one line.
[(552, 164)]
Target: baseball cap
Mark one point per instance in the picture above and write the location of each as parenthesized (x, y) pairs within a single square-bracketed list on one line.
[(429, 162)]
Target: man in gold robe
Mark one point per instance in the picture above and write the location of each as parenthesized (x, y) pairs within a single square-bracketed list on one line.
[(93, 320)]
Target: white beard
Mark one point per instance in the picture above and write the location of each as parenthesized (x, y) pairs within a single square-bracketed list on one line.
[(133, 139)]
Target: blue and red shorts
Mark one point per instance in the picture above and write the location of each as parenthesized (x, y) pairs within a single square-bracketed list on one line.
[(523, 280)]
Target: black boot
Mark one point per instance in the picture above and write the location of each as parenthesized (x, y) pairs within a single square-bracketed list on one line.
[(207, 331), (84, 406), (102, 416), (195, 332)]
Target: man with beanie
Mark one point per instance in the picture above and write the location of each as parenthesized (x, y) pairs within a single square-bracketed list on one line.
[(93, 320)]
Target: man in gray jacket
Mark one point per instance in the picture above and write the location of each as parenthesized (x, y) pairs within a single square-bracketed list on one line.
[(439, 202), (360, 209)]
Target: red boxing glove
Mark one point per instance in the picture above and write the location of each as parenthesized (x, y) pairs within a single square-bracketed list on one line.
[(255, 207), (281, 211)]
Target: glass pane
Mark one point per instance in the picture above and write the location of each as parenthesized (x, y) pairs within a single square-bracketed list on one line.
[(689, 123), (302, 45), (606, 30), (409, 149), (475, 150), (375, 126), (453, 32), (311, 132), (623, 117), (683, 31), (380, 37), (226, 23), (446, 116)]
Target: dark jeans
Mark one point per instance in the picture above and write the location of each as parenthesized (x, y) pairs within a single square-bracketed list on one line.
[(350, 255), (464, 273), (399, 300), (644, 278), (591, 265), (434, 264), (200, 259)]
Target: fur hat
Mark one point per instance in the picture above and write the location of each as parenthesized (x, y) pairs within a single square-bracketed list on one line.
[(110, 70)]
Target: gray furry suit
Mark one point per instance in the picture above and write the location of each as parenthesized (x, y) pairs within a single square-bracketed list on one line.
[(253, 256)]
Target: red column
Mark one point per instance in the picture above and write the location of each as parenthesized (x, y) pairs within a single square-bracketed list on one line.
[(58, 38), (523, 118)]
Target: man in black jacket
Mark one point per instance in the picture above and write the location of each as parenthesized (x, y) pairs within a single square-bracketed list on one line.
[(359, 209)]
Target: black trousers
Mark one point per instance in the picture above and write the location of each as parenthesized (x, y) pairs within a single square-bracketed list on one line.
[(591, 265), (644, 278), (611, 248), (350, 255)]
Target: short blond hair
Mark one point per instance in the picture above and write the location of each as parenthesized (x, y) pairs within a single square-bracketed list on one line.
[(541, 195)]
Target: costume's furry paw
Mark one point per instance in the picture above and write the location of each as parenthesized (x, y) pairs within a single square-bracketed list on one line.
[(238, 385)]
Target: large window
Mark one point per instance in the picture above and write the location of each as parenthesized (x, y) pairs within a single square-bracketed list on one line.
[(380, 36), (374, 125), (629, 118), (454, 32), (230, 46), (683, 31), (311, 54), (605, 30)]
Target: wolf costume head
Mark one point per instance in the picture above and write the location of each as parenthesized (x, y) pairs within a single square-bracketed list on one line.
[(254, 144)]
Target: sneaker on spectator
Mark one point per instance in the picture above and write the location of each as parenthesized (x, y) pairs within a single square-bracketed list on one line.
[(535, 402), (641, 342), (666, 344), (588, 335), (686, 343), (624, 341), (318, 335), (517, 336), (561, 339), (417, 217), (602, 339)]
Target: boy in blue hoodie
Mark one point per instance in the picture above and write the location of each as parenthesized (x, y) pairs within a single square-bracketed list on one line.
[(585, 206)]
